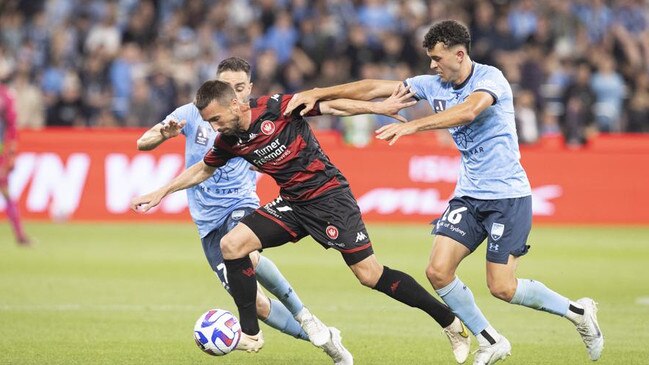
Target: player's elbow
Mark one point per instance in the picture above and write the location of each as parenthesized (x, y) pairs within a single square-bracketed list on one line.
[(142, 146), (468, 115)]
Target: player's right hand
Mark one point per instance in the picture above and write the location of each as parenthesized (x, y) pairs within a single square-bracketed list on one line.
[(144, 203), (299, 99), (171, 128)]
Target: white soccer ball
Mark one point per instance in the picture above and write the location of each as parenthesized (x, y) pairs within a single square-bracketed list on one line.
[(217, 332)]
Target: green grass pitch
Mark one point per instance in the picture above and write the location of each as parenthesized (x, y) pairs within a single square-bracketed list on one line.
[(130, 293)]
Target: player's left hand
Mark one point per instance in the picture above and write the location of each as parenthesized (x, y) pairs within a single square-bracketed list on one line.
[(303, 98), (401, 98), (144, 203), (392, 132)]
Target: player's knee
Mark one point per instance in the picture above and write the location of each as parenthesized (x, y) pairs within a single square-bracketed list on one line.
[(502, 290), (437, 276), (231, 248)]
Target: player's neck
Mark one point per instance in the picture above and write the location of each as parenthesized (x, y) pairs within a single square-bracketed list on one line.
[(465, 71)]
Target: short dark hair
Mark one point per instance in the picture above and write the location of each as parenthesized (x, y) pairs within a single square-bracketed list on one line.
[(214, 90), (233, 64), (448, 32)]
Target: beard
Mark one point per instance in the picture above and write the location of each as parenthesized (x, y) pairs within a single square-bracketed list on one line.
[(234, 129)]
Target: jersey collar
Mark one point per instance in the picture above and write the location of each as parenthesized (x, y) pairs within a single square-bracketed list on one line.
[(458, 87)]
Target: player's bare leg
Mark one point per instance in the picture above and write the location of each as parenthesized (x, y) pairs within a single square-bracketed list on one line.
[(404, 288)]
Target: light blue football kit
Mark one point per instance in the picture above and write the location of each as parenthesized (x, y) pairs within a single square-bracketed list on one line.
[(216, 206), (492, 198)]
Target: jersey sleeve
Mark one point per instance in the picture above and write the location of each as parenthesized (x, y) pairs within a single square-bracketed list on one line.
[(418, 86), (218, 155), (494, 83), (313, 112), (187, 112)]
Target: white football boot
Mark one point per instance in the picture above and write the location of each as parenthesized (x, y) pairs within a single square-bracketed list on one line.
[(316, 330), (335, 349), (250, 343), (460, 340), (487, 355), (589, 329)]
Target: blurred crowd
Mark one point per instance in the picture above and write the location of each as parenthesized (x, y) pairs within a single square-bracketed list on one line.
[(577, 67)]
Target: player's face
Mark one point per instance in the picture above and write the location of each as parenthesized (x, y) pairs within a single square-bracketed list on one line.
[(445, 61), (239, 81), (223, 119)]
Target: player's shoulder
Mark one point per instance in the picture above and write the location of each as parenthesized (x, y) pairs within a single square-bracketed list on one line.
[(482, 71), (188, 112), (427, 80)]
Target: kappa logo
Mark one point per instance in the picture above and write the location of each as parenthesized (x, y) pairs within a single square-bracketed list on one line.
[(360, 236), (267, 127), (497, 231), (332, 232)]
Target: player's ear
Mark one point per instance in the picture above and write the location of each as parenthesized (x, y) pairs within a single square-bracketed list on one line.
[(460, 54)]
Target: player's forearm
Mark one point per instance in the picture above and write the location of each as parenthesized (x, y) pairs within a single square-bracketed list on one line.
[(364, 90), (452, 117), (150, 139), (193, 176), (346, 107)]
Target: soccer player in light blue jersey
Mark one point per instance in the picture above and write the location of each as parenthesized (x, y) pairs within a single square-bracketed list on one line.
[(220, 202), (492, 198)]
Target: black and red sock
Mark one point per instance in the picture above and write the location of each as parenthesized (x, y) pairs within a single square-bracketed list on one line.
[(407, 290), (243, 287)]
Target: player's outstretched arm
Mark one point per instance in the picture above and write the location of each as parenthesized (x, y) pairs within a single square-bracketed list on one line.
[(160, 133), (194, 175), (460, 114), (400, 98), (364, 90)]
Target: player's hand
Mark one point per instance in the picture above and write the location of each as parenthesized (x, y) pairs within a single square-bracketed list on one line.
[(401, 98), (303, 98), (392, 132), (144, 203), (172, 128)]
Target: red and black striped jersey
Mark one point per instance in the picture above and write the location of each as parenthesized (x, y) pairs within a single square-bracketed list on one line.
[(283, 147)]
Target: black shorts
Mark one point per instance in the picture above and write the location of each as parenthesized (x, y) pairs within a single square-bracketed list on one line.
[(334, 221)]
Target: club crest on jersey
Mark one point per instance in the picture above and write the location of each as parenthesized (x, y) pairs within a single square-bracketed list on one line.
[(332, 232), (267, 127), (497, 231)]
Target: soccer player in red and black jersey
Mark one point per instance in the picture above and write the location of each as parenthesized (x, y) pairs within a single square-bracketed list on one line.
[(314, 198)]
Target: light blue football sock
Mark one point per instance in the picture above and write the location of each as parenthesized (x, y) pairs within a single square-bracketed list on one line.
[(281, 319), (269, 277), (534, 294), (461, 301)]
